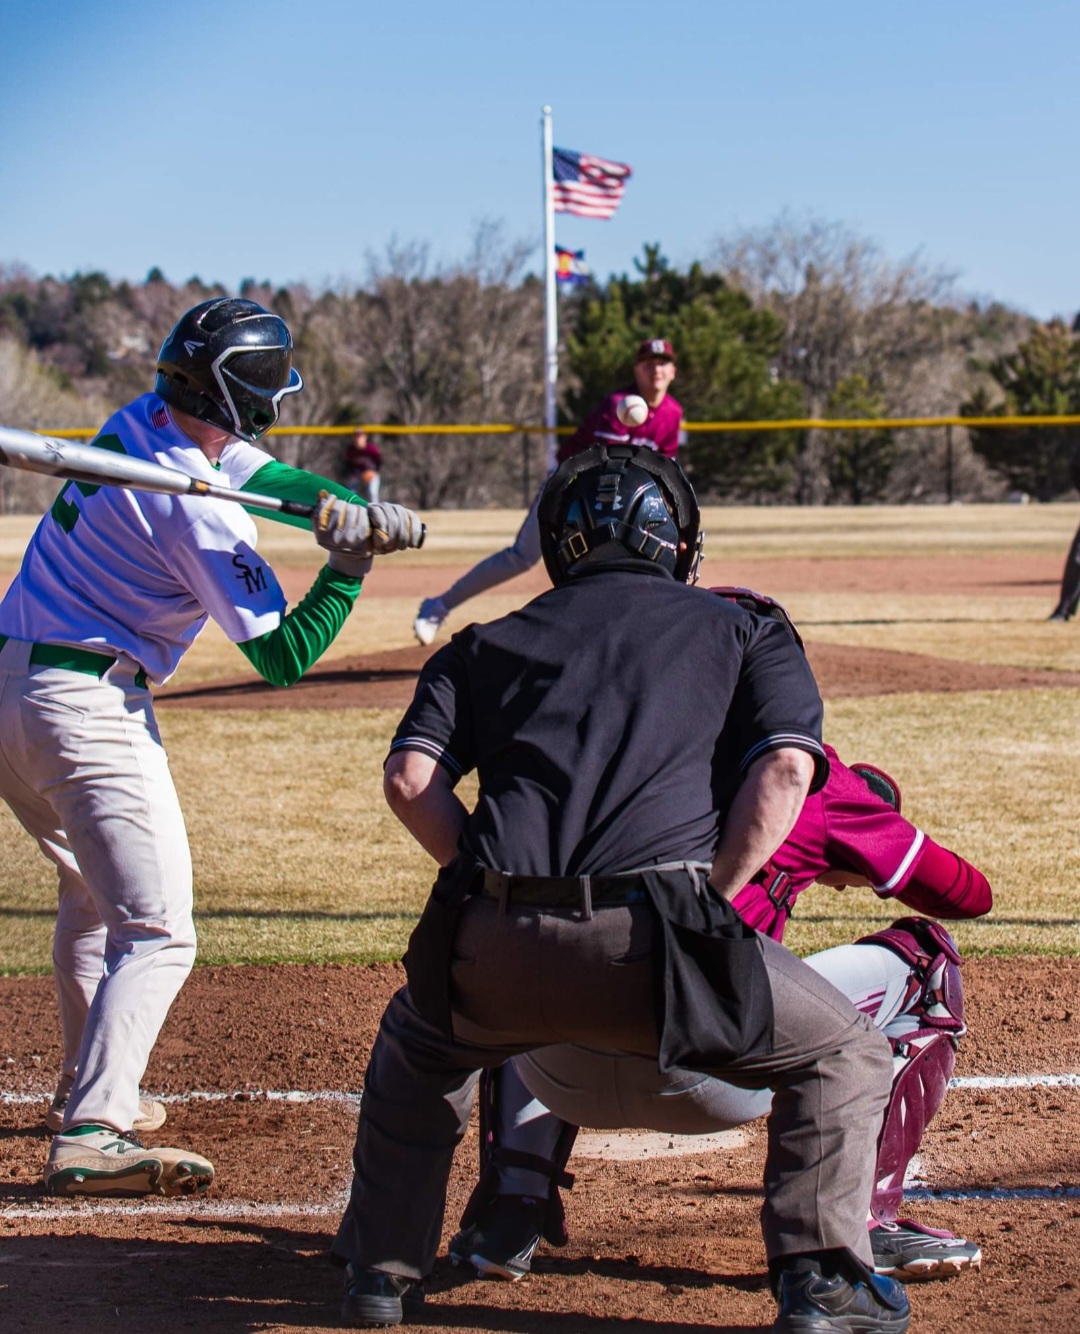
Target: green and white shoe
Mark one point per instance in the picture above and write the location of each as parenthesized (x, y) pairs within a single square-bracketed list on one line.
[(96, 1160)]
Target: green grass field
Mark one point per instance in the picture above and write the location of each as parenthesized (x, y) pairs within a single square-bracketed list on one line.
[(297, 858)]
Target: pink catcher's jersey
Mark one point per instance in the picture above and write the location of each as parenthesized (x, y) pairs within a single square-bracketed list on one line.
[(846, 827)]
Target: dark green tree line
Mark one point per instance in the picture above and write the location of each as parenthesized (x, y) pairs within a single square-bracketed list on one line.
[(1041, 378)]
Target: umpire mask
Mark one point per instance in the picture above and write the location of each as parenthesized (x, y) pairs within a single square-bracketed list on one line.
[(619, 502)]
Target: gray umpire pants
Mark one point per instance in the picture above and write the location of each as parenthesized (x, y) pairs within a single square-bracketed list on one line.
[(525, 978)]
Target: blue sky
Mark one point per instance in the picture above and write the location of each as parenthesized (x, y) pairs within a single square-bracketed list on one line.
[(234, 138)]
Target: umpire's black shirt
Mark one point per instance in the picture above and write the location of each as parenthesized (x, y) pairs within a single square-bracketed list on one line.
[(610, 721)]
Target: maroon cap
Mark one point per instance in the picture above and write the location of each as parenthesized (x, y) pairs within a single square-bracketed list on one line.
[(655, 347)]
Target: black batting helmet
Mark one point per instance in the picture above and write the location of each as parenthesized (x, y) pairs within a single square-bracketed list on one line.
[(228, 362), (618, 502)]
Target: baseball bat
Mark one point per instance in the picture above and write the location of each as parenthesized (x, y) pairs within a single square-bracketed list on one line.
[(103, 467)]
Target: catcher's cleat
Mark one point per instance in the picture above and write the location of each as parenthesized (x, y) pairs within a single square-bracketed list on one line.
[(812, 1304), (432, 613), (95, 1160), (151, 1115), (503, 1239), (910, 1252), (375, 1299)]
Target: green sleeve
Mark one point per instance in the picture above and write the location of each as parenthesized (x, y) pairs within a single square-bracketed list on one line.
[(283, 655), (288, 483)]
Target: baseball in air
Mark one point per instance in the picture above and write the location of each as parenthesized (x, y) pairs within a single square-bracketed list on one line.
[(632, 410)]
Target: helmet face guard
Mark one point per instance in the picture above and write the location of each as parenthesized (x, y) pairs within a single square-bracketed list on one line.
[(228, 362), (618, 502), (247, 383)]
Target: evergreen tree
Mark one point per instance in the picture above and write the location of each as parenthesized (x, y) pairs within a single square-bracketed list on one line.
[(1041, 378), (858, 462)]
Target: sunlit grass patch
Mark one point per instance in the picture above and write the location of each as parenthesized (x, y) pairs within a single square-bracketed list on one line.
[(1011, 632), (297, 856), (991, 775)]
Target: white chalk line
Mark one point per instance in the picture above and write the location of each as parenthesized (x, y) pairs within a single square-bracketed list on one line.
[(225, 1210), (1015, 1082), (188, 1207), (297, 1096), (966, 1196), (301, 1096)]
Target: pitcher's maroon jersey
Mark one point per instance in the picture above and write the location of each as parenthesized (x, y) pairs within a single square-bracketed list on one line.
[(660, 430)]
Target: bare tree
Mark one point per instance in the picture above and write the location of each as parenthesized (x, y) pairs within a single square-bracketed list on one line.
[(451, 343), (847, 311), (32, 397)]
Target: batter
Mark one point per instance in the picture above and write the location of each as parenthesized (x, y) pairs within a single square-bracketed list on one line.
[(113, 589)]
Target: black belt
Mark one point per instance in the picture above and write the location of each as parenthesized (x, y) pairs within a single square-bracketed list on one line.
[(558, 891), (74, 659)]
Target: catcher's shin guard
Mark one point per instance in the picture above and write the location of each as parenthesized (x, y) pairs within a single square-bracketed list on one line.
[(496, 1157), (924, 1034)]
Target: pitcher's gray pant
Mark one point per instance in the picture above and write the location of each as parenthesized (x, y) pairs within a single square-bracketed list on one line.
[(497, 568), (528, 978)]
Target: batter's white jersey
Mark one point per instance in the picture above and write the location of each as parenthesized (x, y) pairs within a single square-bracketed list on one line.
[(137, 573)]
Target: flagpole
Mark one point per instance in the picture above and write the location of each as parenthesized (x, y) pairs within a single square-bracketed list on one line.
[(551, 316)]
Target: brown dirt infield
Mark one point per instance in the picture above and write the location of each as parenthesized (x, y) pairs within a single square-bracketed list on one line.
[(386, 680), (669, 1243)]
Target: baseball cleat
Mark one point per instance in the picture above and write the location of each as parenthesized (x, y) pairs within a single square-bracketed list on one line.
[(432, 613), (808, 1303), (910, 1252), (151, 1115), (502, 1242), (375, 1299), (94, 1160)]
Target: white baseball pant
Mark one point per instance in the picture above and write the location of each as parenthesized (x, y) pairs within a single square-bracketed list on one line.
[(83, 768)]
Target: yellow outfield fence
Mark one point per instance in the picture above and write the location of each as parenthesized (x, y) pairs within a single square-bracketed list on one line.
[(523, 428)]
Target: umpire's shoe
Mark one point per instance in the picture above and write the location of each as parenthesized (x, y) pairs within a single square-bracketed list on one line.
[(375, 1299), (910, 1252), (502, 1241), (95, 1160), (812, 1304)]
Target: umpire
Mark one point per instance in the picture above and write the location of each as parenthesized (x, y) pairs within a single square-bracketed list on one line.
[(642, 749)]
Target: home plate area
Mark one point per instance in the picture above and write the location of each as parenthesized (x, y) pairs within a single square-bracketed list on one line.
[(663, 1229)]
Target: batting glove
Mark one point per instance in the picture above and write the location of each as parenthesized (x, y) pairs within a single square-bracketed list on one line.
[(341, 526), (344, 562), (393, 528)]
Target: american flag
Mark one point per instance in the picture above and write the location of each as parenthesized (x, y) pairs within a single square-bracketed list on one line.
[(589, 186)]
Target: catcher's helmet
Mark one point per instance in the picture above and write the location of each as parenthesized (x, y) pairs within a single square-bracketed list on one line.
[(228, 362), (618, 502)]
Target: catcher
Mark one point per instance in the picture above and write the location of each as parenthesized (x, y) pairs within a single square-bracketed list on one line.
[(849, 833)]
